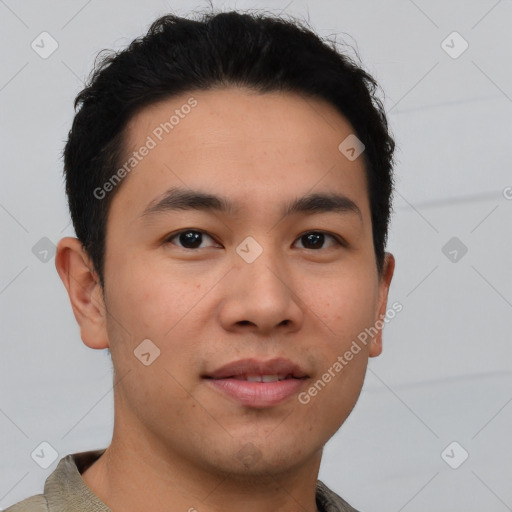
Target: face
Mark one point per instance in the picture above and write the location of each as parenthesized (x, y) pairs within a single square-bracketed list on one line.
[(251, 286)]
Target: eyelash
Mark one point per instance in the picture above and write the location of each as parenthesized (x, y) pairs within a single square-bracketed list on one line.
[(335, 238)]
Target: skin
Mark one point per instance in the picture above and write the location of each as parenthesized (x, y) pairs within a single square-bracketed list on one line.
[(177, 442)]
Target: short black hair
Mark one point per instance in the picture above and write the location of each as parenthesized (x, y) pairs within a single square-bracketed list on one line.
[(262, 52)]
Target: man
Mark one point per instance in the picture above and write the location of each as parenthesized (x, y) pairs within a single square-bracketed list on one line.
[(229, 180)]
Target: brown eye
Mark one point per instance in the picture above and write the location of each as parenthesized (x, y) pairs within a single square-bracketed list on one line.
[(315, 240), (189, 238)]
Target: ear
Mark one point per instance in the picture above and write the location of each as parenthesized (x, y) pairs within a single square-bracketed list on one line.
[(384, 282), (82, 284)]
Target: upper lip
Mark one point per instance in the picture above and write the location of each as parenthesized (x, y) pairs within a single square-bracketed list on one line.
[(279, 366)]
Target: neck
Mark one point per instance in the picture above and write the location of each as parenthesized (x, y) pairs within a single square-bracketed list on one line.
[(134, 474)]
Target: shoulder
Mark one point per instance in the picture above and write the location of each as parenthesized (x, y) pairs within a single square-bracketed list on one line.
[(64, 488), (36, 503), (329, 501)]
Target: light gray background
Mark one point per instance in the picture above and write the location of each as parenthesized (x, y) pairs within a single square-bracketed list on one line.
[(445, 373)]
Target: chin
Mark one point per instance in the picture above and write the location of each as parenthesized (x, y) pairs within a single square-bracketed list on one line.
[(263, 457)]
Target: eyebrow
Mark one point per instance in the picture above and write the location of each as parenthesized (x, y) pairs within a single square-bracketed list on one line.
[(186, 199)]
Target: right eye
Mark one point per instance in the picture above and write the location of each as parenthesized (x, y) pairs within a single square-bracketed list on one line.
[(188, 238)]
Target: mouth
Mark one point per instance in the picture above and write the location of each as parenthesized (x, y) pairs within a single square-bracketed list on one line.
[(255, 370), (261, 378), (258, 384)]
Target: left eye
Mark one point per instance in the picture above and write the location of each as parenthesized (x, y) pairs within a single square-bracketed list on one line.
[(192, 239), (315, 239)]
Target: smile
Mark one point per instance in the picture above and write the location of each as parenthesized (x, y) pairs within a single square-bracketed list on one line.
[(258, 384)]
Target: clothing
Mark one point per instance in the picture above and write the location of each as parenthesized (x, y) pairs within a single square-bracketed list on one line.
[(66, 491)]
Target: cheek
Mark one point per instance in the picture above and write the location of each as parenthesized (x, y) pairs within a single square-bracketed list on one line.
[(149, 300), (332, 393), (342, 311), (345, 307)]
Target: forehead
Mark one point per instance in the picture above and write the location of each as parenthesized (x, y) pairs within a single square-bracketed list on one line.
[(258, 149)]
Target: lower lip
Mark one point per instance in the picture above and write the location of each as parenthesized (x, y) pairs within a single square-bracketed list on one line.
[(258, 394)]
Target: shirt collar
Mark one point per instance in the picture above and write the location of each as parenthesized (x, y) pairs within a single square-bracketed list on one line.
[(66, 490)]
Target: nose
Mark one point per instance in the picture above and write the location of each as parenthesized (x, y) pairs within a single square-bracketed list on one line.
[(259, 297)]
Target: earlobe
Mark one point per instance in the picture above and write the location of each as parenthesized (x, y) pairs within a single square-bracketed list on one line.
[(84, 290), (384, 283)]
